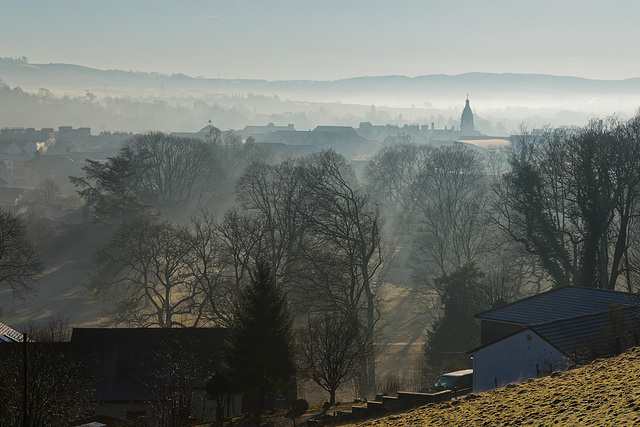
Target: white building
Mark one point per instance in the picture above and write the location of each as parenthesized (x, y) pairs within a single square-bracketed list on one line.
[(550, 331)]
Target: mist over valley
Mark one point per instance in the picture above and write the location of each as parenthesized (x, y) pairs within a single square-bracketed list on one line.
[(239, 212)]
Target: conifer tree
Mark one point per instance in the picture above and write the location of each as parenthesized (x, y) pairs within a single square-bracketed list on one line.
[(456, 331), (259, 353)]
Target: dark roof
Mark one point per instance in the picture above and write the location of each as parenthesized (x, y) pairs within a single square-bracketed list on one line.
[(558, 304), (289, 137), (124, 361), (8, 334), (339, 129), (581, 333)]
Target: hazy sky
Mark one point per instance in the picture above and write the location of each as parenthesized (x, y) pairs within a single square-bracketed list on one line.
[(328, 39)]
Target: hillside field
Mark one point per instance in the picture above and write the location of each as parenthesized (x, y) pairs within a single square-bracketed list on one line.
[(604, 393)]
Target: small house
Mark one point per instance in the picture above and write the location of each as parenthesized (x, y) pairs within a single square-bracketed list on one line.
[(551, 331)]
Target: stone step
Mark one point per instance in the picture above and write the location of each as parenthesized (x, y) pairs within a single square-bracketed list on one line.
[(360, 411), (376, 408)]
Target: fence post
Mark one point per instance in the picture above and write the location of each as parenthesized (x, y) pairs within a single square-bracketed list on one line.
[(25, 413)]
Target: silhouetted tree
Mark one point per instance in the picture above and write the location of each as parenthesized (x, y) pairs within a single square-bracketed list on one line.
[(109, 190), (20, 264), (142, 275), (570, 199), (173, 383), (343, 220), (276, 194), (392, 177), (171, 172), (218, 261), (259, 353), (450, 195), (151, 170), (59, 388), (456, 331), (331, 350)]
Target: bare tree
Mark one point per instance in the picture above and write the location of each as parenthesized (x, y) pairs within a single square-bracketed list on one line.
[(219, 261), (151, 169), (349, 224), (170, 172), (571, 199), (331, 350), (174, 382), (58, 388), (392, 175), (47, 192), (20, 264), (449, 197), (54, 329), (143, 276), (276, 194)]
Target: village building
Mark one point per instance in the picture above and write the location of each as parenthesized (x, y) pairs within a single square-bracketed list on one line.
[(551, 331)]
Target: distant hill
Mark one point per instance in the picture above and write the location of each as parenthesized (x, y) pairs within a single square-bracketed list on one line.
[(61, 94), (440, 91)]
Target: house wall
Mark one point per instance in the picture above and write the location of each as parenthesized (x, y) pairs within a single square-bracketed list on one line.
[(514, 359), (202, 406)]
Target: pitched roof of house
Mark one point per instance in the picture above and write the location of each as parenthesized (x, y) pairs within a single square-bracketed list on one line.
[(125, 361), (8, 334), (576, 335), (558, 304), (579, 335)]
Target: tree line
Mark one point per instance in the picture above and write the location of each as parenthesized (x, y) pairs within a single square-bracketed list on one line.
[(308, 219), (477, 229)]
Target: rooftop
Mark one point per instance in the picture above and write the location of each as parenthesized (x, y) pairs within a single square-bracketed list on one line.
[(8, 334), (558, 304)]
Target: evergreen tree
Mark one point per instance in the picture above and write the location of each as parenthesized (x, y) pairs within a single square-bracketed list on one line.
[(456, 331), (259, 353)]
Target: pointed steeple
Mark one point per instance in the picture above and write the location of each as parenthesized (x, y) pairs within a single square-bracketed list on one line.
[(466, 121)]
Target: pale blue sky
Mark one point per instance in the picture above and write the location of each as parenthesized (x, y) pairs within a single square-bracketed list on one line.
[(328, 39)]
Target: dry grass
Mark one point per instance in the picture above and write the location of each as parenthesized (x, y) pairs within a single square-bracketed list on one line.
[(604, 393)]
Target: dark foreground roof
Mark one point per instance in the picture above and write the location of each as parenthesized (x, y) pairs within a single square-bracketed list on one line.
[(126, 362), (8, 334), (558, 304)]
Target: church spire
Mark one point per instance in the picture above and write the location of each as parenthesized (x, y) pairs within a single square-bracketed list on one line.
[(466, 121)]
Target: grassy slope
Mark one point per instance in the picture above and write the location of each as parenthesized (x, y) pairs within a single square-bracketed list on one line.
[(606, 392), (68, 255)]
